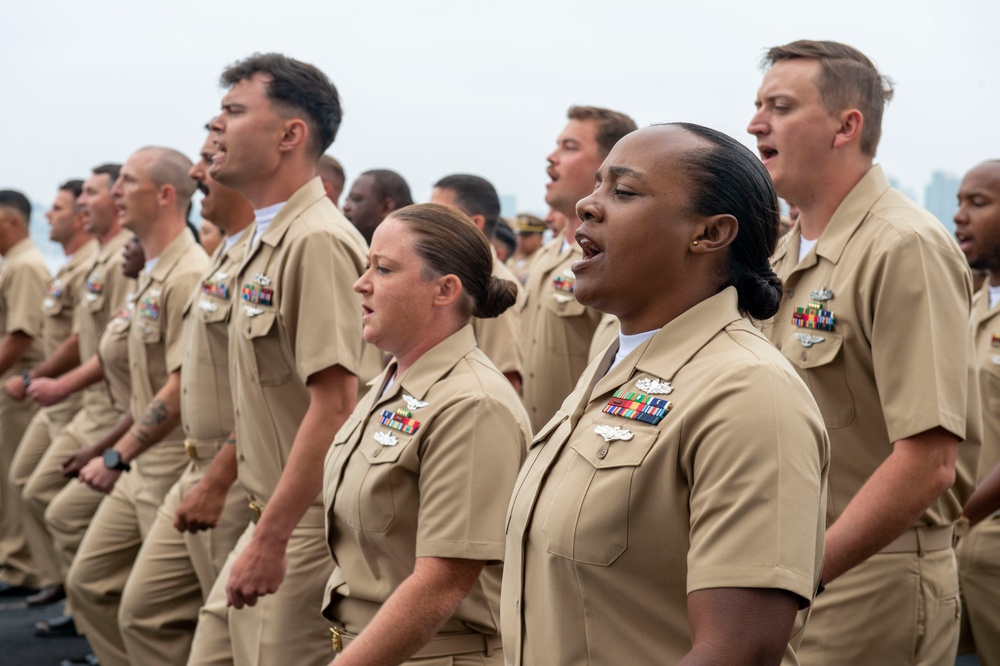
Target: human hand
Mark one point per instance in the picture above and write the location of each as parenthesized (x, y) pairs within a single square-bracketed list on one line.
[(259, 570)]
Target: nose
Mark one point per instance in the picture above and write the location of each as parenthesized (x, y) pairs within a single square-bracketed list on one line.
[(215, 124), (961, 216), (363, 285), (757, 125), (589, 210), (116, 189), (553, 157)]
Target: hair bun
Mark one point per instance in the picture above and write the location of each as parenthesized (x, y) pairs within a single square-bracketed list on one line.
[(500, 294), (760, 293)]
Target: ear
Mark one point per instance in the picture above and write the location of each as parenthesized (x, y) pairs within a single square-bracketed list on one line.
[(386, 206), (295, 132), (714, 233), (78, 220), (167, 196), (851, 122), (480, 221), (449, 288)]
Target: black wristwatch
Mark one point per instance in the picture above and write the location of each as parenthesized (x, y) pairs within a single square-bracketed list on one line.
[(26, 378), (113, 460)]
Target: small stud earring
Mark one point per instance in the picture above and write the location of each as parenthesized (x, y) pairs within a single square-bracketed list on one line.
[(694, 243)]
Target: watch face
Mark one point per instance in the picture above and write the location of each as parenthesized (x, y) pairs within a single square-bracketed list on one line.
[(112, 459)]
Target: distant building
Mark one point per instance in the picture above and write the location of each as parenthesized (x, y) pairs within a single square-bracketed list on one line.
[(940, 198)]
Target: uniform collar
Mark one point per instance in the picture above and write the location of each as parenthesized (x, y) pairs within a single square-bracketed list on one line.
[(304, 197), (981, 311), (20, 247), (113, 246), (173, 253), (83, 255), (676, 343), (237, 252), (435, 364)]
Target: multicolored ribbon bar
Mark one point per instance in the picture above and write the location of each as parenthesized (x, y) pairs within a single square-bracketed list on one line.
[(995, 342), (217, 289), (400, 421), (814, 316), (149, 308), (563, 284), (95, 285), (257, 294), (637, 406)]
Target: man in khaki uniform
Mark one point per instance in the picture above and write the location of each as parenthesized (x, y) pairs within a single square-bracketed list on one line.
[(66, 222), (557, 328), (499, 337), (23, 277), (875, 320), (295, 342), (529, 230), (978, 231), (373, 195), (205, 512), (152, 193)]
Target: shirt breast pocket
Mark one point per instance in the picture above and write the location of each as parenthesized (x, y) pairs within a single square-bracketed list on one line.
[(821, 365), (587, 519), (272, 367), (366, 503), (150, 332)]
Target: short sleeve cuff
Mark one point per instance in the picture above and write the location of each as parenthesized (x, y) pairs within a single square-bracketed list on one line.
[(775, 578)]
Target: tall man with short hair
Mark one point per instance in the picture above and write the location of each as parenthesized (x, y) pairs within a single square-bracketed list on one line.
[(557, 328), (374, 194), (499, 337), (23, 276), (295, 343), (66, 221), (875, 321), (152, 194), (977, 228)]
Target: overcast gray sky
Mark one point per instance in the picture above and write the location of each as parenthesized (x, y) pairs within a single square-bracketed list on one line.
[(442, 86)]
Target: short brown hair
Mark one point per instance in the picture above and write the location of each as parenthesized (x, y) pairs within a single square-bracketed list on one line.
[(611, 125), (449, 243), (847, 79)]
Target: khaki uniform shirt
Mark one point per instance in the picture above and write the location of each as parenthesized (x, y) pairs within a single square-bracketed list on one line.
[(500, 337), (206, 397), (521, 265), (606, 333), (897, 360), (23, 276), (557, 331), (113, 353), (156, 340), (986, 331), (104, 295), (614, 521), (296, 314), (438, 487), (64, 291)]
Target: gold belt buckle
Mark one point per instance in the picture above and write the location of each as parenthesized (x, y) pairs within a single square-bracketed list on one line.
[(335, 641), (256, 511), (191, 449)]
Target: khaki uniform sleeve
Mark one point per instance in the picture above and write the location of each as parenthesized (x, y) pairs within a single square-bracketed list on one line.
[(756, 460), (920, 300), (176, 297), (468, 467), (319, 307), (25, 290)]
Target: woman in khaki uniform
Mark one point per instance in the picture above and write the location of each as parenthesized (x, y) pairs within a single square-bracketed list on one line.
[(672, 510), (417, 481)]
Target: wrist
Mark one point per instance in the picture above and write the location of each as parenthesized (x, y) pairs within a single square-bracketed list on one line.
[(26, 378), (113, 461)]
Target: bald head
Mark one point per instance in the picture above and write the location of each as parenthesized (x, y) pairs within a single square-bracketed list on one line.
[(167, 166)]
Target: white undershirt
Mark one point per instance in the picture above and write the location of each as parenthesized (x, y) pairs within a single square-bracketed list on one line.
[(805, 246), (994, 296), (628, 343), (151, 264), (264, 217), (565, 246), (232, 238)]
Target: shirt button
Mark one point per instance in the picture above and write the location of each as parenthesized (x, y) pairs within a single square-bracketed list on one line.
[(375, 452), (602, 453), (804, 356), (790, 292), (240, 457)]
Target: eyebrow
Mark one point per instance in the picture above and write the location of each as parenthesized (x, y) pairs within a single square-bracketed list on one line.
[(620, 171)]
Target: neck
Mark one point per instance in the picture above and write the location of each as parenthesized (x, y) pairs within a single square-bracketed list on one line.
[(10, 243), (653, 316), (112, 231), (993, 278), (818, 205), (279, 186), (160, 235), (75, 243), (236, 223), (430, 340)]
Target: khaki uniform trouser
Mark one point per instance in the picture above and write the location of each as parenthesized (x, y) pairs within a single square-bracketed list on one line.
[(282, 628), (979, 575), (174, 573), (101, 567), (18, 568), (894, 608)]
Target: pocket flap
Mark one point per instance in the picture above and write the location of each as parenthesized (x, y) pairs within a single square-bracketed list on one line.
[(377, 453), (813, 349), (603, 454), (259, 324)]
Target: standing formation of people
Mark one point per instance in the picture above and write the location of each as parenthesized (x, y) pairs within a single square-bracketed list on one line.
[(415, 433)]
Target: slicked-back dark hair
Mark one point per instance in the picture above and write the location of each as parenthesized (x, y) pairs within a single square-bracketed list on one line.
[(17, 202), (74, 186), (611, 125), (475, 196), (111, 169), (296, 87), (390, 185), (727, 179), (847, 79)]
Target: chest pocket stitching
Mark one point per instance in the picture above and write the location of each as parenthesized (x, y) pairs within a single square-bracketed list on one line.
[(587, 518), (274, 371), (825, 375), (373, 499)]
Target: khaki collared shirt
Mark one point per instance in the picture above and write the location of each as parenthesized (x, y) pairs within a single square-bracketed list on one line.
[(500, 337), (63, 293), (606, 333), (614, 521), (897, 362), (112, 350), (206, 397), (437, 488), (156, 339), (23, 277), (296, 313), (103, 296), (521, 265), (558, 330), (986, 332)]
